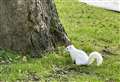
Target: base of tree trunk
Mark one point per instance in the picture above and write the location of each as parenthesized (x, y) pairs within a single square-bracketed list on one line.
[(30, 26)]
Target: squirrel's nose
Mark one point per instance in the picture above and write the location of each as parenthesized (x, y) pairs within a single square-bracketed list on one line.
[(66, 49)]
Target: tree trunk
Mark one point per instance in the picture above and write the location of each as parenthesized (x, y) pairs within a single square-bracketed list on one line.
[(30, 26)]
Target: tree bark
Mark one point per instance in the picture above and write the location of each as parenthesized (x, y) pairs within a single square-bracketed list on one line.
[(30, 26)]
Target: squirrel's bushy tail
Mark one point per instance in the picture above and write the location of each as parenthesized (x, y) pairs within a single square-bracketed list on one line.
[(97, 56)]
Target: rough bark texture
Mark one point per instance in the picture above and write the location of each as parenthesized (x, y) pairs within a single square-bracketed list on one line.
[(30, 26)]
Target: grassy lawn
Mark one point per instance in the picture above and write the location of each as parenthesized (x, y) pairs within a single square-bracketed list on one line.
[(89, 28)]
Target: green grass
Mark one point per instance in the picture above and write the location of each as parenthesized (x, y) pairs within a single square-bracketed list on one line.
[(89, 28)]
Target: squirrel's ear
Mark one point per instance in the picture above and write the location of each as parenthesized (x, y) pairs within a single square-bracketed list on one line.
[(70, 47)]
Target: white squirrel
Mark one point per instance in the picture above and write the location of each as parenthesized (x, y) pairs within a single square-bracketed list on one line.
[(81, 58)]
